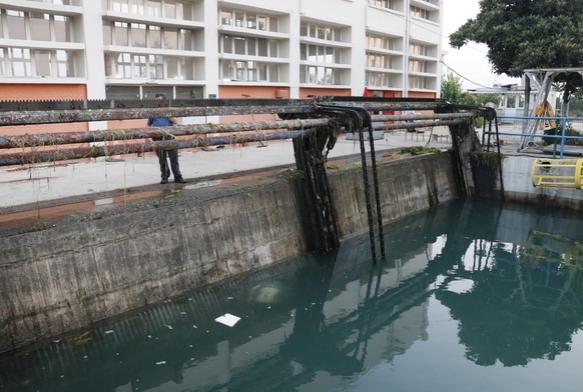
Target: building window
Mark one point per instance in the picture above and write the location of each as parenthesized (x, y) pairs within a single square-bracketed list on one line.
[(319, 75), (36, 26), (120, 5), (249, 20), (36, 62), (417, 66), (147, 36), (417, 82), (390, 4), (149, 92), (420, 13), (377, 79), (57, 2), (320, 54), (249, 46), (128, 66), (156, 65), (171, 9), (120, 34), (124, 66), (248, 71), (375, 60), (374, 41), (323, 32), (20, 62), (64, 63), (419, 49)]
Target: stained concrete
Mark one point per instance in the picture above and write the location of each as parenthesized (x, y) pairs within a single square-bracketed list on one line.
[(83, 268)]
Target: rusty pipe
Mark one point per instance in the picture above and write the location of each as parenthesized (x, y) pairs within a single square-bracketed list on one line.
[(32, 157), (50, 139), (68, 116)]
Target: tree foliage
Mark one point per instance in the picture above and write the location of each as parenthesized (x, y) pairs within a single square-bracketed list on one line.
[(529, 34), (453, 92)]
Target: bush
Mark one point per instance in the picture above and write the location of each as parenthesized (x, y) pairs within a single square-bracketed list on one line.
[(570, 131)]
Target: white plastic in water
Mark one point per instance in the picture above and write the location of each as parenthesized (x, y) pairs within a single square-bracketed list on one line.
[(228, 319)]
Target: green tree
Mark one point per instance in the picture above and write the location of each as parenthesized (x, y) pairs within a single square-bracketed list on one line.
[(528, 34), (483, 99), (452, 91)]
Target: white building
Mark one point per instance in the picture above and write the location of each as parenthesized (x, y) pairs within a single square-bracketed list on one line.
[(130, 49)]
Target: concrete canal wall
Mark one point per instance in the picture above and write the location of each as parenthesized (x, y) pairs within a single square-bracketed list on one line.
[(518, 187), (88, 268)]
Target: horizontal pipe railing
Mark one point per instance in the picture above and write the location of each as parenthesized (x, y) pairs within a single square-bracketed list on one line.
[(69, 116), (37, 147), (30, 157), (36, 140), (420, 124), (27, 140), (422, 116), (562, 138), (390, 106)]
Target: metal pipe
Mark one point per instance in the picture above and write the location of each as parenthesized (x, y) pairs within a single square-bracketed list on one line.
[(421, 124), (357, 124), (68, 116), (31, 157), (423, 116), (49, 139)]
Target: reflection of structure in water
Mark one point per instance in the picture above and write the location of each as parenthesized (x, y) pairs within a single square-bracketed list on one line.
[(543, 247)]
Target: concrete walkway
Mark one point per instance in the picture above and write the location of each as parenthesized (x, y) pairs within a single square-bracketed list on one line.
[(32, 187)]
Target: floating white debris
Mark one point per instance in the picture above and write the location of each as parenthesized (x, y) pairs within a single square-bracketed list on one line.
[(85, 357), (228, 319), (269, 307), (229, 297), (169, 326), (56, 341), (150, 336), (182, 312), (108, 331), (161, 363), (190, 345)]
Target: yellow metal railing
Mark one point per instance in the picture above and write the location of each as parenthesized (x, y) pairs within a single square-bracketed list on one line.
[(557, 173)]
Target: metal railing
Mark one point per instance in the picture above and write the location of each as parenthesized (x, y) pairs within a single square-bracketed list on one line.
[(513, 134)]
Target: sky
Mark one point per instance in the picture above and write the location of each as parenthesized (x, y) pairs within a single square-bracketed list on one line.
[(470, 61)]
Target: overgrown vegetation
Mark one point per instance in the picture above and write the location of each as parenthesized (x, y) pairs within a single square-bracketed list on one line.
[(419, 150), (569, 131), (452, 91)]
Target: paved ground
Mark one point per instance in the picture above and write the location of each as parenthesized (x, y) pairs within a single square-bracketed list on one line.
[(25, 190)]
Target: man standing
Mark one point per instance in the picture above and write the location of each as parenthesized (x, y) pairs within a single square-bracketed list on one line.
[(161, 152)]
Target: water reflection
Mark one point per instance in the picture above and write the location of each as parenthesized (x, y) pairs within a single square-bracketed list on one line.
[(524, 302), (509, 276)]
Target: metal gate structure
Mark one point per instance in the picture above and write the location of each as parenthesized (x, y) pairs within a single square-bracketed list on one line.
[(313, 123)]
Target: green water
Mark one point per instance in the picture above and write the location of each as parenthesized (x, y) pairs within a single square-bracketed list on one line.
[(473, 296)]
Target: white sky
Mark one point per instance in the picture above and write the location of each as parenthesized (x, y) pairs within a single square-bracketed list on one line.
[(470, 61)]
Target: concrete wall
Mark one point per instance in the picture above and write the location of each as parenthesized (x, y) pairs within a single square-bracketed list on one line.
[(86, 269), (518, 187)]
